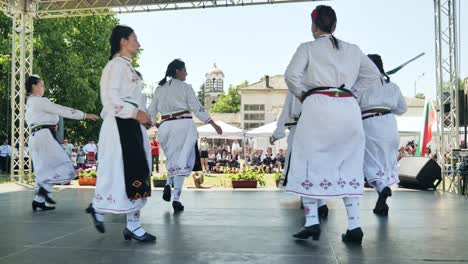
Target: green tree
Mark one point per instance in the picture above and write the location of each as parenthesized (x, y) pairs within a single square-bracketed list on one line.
[(420, 96), (201, 94), (69, 54), (5, 74), (230, 102)]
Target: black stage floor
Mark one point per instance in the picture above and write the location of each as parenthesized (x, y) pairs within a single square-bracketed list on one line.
[(235, 227)]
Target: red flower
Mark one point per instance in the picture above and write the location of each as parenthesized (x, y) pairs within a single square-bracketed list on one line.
[(314, 14)]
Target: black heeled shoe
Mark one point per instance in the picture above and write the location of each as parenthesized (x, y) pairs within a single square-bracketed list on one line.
[(146, 237), (167, 193), (178, 207), (353, 236), (42, 192), (309, 231), (42, 206), (98, 224), (323, 211), (381, 207)]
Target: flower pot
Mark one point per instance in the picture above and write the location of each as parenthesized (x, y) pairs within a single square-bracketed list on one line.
[(87, 181), (244, 184), (159, 183)]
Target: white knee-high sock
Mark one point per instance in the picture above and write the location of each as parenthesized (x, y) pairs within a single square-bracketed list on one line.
[(378, 185), (178, 185), (134, 224), (169, 181), (48, 187), (310, 210), (39, 199), (352, 207), (99, 215), (321, 202)]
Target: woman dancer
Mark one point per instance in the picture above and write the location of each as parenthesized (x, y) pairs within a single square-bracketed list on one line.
[(51, 163), (124, 171), (176, 100), (328, 147)]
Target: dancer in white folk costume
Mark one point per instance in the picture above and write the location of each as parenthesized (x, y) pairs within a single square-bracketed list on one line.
[(50, 161), (123, 182), (379, 105), (288, 119), (175, 100), (328, 145)]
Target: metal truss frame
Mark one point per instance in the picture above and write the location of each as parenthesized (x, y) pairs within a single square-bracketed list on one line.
[(447, 76)]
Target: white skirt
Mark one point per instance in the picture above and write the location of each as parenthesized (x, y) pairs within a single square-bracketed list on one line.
[(110, 195), (289, 141), (178, 139), (328, 149), (381, 155), (51, 163)]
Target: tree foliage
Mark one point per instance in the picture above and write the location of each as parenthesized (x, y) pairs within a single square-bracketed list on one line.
[(69, 54), (230, 102)]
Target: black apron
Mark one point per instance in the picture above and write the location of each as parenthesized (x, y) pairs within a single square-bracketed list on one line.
[(136, 170)]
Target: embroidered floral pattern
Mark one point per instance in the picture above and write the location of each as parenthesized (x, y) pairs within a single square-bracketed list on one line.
[(341, 182), (354, 183), (325, 184), (307, 184)]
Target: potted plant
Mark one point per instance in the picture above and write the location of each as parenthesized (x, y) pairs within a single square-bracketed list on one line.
[(87, 177), (28, 178), (247, 179), (277, 176), (160, 180)]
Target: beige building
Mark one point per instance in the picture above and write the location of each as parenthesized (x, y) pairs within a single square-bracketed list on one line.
[(262, 102)]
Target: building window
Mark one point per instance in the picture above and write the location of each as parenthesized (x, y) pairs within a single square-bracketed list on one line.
[(252, 125), (256, 116), (254, 107)]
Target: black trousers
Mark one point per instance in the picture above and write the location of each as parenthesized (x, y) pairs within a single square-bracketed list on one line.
[(3, 162), (155, 161)]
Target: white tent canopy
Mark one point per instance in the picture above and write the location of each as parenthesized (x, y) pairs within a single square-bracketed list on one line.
[(229, 131), (263, 131), (406, 125)]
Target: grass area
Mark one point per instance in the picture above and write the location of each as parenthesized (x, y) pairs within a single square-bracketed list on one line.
[(5, 178), (223, 180)]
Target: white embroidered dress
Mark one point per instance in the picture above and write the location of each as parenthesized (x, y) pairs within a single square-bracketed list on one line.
[(50, 161), (328, 147), (121, 97), (178, 137), (382, 138)]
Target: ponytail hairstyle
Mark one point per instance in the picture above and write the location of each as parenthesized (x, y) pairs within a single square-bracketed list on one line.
[(118, 33), (172, 68), (32, 80), (379, 63), (324, 17)]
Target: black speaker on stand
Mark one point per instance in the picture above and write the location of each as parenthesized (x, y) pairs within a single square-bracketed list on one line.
[(420, 173)]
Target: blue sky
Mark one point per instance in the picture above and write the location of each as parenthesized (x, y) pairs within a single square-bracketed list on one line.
[(249, 42)]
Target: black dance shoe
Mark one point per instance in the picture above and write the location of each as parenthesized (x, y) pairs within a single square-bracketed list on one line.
[(146, 237), (178, 207), (381, 207), (309, 231), (42, 206), (42, 192), (98, 224), (167, 193), (353, 236), (323, 211)]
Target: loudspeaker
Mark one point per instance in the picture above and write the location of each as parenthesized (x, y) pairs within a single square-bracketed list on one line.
[(420, 172), (462, 114)]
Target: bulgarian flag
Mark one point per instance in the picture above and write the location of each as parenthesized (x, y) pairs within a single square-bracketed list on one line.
[(426, 132)]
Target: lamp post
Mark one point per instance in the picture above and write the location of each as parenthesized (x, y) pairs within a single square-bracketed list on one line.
[(416, 81)]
